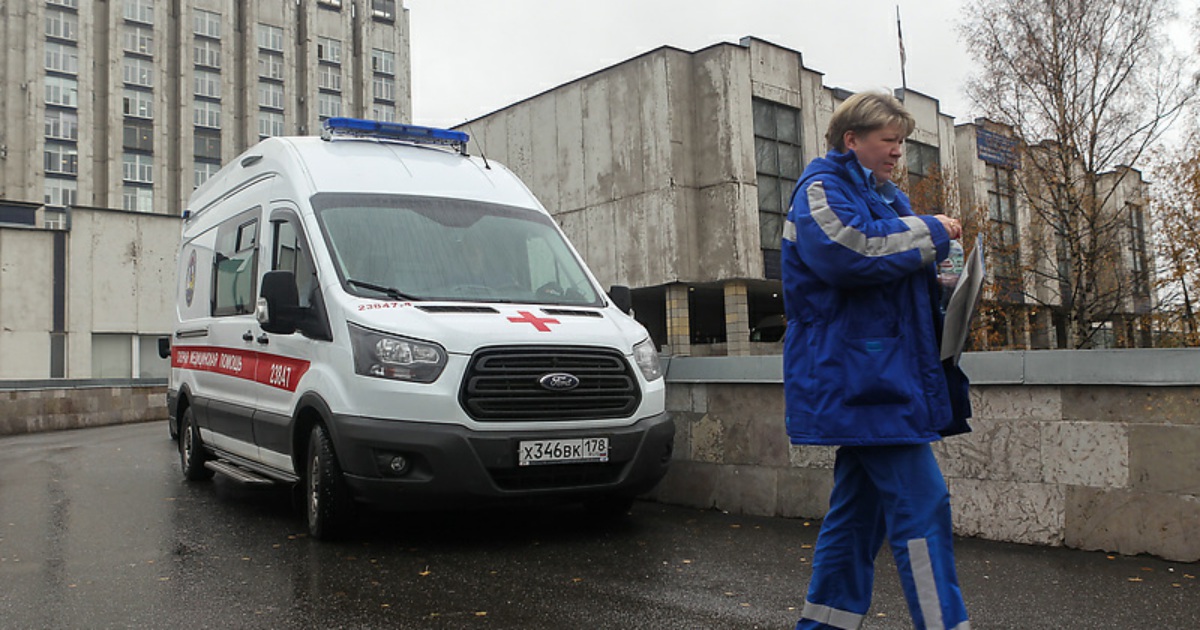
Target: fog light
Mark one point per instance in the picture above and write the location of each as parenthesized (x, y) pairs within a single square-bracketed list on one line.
[(398, 465)]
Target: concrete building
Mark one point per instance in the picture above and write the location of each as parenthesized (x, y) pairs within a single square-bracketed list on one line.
[(131, 104), (672, 172), (111, 112), (1023, 307)]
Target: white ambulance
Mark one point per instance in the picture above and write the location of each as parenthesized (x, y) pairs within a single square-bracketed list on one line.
[(377, 317)]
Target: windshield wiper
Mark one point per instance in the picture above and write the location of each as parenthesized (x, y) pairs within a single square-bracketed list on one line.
[(395, 294)]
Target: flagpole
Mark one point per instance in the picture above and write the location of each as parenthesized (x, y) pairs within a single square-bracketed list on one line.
[(900, 41)]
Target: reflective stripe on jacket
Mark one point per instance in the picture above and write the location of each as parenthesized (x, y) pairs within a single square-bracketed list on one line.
[(861, 356)]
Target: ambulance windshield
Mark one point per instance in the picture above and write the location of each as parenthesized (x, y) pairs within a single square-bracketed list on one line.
[(427, 248)]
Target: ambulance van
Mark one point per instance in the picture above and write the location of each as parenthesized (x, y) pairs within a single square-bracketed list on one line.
[(379, 318)]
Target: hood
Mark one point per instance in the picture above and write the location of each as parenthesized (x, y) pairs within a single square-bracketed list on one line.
[(463, 327)]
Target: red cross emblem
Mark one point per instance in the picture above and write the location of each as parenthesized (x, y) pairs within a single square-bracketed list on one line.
[(538, 322)]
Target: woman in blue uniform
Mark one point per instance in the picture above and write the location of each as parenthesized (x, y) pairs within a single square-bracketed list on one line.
[(862, 369)]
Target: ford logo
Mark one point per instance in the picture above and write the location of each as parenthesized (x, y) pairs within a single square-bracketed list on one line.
[(559, 382)]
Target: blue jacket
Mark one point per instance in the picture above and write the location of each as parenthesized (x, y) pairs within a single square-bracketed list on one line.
[(861, 355)]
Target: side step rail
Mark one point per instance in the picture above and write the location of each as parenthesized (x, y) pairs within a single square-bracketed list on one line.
[(237, 473)]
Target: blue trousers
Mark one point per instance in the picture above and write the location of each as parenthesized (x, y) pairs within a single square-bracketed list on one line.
[(899, 493)]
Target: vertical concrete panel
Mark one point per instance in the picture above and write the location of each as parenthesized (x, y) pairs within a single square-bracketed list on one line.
[(624, 109), (597, 142), (116, 254), (568, 117), (601, 252), (26, 302), (655, 122), (519, 156), (544, 179), (158, 242)]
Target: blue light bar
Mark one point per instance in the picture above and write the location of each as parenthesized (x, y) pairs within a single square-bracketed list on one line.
[(362, 128)]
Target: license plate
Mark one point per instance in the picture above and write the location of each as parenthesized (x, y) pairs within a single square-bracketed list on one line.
[(533, 452)]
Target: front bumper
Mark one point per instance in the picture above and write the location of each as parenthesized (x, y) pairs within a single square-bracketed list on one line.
[(452, 466)]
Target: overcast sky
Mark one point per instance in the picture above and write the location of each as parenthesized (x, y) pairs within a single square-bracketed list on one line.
[(472, 57)]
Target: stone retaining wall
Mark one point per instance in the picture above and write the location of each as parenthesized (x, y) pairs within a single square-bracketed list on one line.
[(1092, 466), (59, 405)]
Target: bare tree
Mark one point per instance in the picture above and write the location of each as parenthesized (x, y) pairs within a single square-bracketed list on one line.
[(1088, 86), (1176, 209)]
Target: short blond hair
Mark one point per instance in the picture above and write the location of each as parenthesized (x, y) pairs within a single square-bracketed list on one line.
[(865, 112)]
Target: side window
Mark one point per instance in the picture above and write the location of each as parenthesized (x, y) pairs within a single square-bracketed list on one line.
[(235, 267), (291, 254)]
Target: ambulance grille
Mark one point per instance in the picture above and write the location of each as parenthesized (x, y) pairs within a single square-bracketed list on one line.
[(503, 385)]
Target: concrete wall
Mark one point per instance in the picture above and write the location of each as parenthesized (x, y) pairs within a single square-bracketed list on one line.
[(26, 301), (649, 165), (58, 405), (120, 278), (1088, 449)]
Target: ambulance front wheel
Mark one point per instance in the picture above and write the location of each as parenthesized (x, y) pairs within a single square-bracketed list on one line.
[(191, 451), (328, 502)]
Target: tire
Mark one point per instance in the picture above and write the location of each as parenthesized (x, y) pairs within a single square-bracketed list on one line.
[(191, 451), (328, 505)]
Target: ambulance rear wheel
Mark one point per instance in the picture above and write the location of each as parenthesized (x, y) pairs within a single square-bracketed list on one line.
[(191, 451), (327, 499)]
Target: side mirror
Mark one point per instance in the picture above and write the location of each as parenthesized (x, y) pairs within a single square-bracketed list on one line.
[(164, 347), (278, 305), (622, 297)]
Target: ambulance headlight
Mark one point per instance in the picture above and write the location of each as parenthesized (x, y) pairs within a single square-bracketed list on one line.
[(647, 360), (399, 358)]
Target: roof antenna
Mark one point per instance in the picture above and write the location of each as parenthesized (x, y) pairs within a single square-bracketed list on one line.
[(482, 150)]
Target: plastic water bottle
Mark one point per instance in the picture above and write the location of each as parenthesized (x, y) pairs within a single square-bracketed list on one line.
[(950, 270)]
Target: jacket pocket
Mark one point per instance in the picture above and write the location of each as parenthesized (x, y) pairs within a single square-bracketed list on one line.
[(876, 371)]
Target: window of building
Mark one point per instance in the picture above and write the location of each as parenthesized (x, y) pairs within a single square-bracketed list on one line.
[(206, 24), (62, 58), (150, 365), (112, 355), (62, 159), (383, 9), (329, 105), (270, 37), (383, 111), (329, 50), (207, 83), (138, 39), (204, 170), (270, 124), (136, 167), (62, 24), (1004, 232), (384, 88), (138, 104), (206, 114), (140, 11), (137, 198), (383, 61), (923, 160), (270, 95), (334, 4), (207, 53), (60, 192), (270, 65), (138, 71), (62, 124), (74, 4), (138, 135), (1139, 267), (329, 78), (62, 91), (208, 144), (235, 266), (778, 164)]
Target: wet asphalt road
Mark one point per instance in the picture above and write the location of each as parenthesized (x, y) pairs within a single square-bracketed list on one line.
[(98, 530)]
